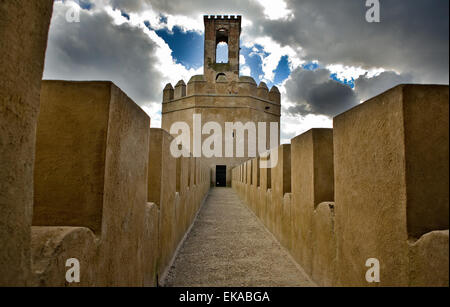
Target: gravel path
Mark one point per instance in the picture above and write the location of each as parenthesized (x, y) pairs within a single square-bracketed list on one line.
[(229, 247)]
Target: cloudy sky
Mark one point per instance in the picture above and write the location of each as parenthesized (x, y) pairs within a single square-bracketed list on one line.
[(322, 54)]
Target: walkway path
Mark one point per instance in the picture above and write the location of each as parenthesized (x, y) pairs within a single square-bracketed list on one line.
[(229, 247)]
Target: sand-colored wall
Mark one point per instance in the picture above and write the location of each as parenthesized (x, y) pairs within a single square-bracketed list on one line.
[(105, 190), (23, 39), (177, 208), (376, 186)]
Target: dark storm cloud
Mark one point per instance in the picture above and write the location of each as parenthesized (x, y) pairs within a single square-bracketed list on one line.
[(314, 92), (412, 39), (367, 88), (412, 36), (97, 49), (251, 9)]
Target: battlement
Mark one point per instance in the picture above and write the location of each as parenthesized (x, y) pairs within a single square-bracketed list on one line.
[(376, 185), (197, 85), (222, 17)]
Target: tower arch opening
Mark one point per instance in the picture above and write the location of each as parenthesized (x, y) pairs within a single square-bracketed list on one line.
[(222, 46)]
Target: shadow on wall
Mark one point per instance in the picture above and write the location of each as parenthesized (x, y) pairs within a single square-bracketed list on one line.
[(375, 187)]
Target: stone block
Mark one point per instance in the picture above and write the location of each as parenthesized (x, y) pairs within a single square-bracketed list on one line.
[(23, 39), (391, 168)]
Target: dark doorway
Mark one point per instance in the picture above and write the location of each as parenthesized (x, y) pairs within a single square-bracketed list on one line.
[(221, 176)]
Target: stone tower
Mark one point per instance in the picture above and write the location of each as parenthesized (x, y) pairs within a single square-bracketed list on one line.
[(222, 29), (221, 95)]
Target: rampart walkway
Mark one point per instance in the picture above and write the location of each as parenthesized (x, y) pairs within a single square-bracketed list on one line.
[(228, 246)]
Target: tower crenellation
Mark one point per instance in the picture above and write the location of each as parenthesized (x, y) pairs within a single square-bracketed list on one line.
[(180, 90)]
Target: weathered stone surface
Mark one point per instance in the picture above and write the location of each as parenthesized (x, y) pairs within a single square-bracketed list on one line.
[(391, 164), (312, 184), (324, 245), (23, 39), (151, 245), (385, 164), (70, 154), (429, 260), (99, 166), (171, 186), (52, 246)]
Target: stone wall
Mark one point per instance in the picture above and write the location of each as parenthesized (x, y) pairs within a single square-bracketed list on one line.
[(104, 190), (103, 173), (376, 186), (23, 39)]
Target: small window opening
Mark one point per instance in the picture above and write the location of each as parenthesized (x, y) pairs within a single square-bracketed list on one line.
[(222, 53)]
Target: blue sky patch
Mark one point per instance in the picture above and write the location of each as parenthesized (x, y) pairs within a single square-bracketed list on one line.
[(283, 71), (350, 83), (254, 62), (125, 15), (311, 66), (187, 47)]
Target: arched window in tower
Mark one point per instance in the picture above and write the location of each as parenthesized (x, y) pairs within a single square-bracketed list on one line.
[(222, 46), (222, 53)]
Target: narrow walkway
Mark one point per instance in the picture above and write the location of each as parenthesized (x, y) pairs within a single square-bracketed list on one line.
[(229, 247)]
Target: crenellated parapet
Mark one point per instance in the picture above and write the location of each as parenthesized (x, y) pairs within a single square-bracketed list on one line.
[(101, 198), (222, 17), (375, 187), (198, 86)]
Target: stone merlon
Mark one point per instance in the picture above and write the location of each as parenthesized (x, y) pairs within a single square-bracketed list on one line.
[(168, 93), (180, 89), (274, 95), (263, 91)]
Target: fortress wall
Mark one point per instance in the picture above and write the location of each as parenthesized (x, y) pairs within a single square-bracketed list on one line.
[(391, 162), (91, 171), (125, 192), (177, 209), (312, 183), (281, 184), (358, 192), (323, 245), (165, 175), (23, 39), (151, 245), (70, 154), (106, 189)]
